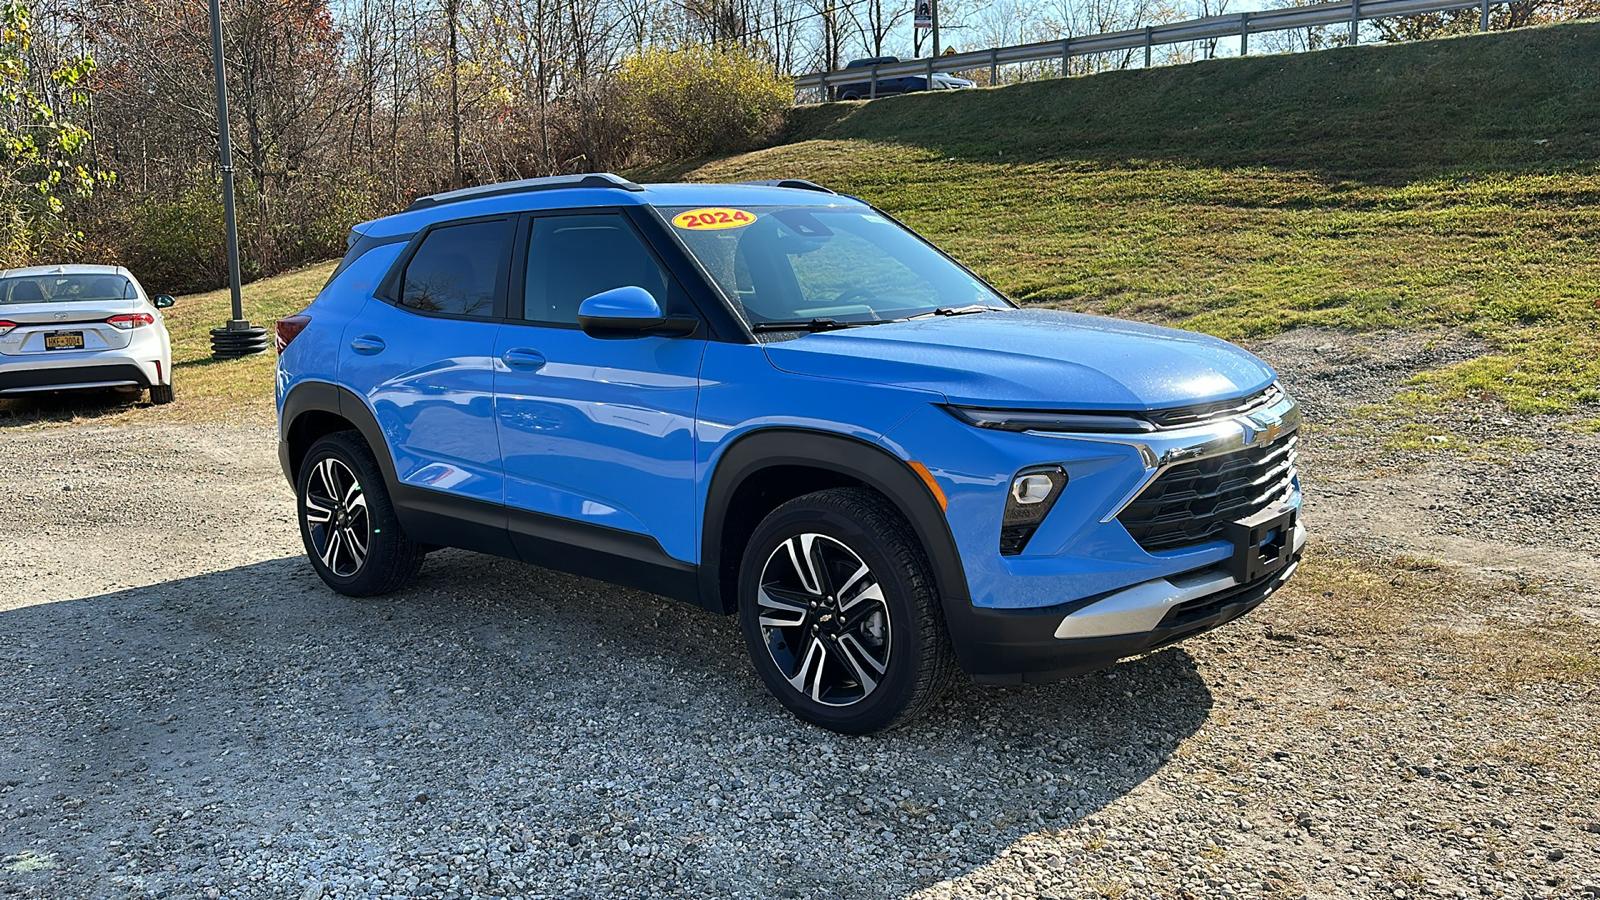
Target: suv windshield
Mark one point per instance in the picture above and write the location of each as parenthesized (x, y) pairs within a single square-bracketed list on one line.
[(64, 288), (845, 264)]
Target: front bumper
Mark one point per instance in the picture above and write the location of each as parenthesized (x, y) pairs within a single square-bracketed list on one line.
[(1036, 646)]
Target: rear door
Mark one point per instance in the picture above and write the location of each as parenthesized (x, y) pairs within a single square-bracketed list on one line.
[(597, 434), (423, 359)]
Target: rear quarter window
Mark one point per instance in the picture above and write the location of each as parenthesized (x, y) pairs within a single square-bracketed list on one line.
[(456, 271)]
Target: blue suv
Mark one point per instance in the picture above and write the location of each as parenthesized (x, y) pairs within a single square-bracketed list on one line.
[(775, 401)]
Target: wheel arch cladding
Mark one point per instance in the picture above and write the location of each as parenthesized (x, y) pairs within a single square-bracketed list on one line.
[(315, 408), (753, 477)]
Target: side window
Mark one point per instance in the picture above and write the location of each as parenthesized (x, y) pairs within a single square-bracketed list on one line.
[(456, 270), (574, 257)]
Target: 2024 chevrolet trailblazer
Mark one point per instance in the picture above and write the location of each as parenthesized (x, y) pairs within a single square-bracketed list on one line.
[(774, 401)]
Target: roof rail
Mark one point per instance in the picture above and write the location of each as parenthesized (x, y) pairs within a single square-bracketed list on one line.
[(526, 185), (796, 183)]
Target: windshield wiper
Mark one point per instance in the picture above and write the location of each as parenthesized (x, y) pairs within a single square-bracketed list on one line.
[(953, 311), (805, 325)]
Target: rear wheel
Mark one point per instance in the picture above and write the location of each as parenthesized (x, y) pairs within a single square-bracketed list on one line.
[(160, 394), (840, 615), (347, 520), (849, 95)]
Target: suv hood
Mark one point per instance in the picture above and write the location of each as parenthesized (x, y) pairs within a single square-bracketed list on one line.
[(1040, 359)]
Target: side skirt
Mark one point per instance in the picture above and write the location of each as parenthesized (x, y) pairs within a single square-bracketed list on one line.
[(604, 554)]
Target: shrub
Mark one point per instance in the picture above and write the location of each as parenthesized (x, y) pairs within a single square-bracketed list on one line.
[(173, 243), (696, 101)]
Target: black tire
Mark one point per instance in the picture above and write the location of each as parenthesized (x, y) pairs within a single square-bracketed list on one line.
[(894, 637), (849, 95), (160, 394), (340, 479)]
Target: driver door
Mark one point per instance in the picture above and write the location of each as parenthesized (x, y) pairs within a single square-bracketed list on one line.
[(596, 434)]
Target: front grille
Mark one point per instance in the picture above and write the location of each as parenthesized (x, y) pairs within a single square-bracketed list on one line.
[(1192, 502), (1240, 597)]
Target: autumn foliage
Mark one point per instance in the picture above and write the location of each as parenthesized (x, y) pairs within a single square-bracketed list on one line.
[(696, 101), (44, 157)]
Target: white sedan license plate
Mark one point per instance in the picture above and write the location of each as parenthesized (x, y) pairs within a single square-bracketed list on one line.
[(64, 340)]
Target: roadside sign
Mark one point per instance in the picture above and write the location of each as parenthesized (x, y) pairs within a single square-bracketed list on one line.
[(924, 13)]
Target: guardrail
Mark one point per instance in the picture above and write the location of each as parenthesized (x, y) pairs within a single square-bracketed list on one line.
[(1240, 25)]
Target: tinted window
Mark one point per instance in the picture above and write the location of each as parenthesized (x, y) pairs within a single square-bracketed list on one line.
[(65, 288), (572, 258), (456, 270)]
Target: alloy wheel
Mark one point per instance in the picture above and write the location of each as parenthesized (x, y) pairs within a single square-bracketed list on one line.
[(824, 619), (335, 510)]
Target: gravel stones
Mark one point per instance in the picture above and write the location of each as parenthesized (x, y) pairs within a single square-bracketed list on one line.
[(190, 713)]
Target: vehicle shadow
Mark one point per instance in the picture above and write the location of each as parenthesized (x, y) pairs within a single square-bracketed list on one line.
[(509, 730), (67, 406)]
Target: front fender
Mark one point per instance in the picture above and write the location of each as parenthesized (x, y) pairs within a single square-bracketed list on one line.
[(856, 458)]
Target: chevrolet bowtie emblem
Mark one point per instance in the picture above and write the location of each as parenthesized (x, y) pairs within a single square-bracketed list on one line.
[(1261, 428)]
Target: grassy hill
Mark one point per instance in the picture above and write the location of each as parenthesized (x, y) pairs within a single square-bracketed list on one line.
[(239, 388), (1445, 183)]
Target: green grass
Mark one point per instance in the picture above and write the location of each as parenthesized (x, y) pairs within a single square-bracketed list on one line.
[(206, 386), (206, 389), (1442, 184)]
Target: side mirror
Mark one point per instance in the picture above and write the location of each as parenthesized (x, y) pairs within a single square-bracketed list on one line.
[(163, 301), (629, 312)]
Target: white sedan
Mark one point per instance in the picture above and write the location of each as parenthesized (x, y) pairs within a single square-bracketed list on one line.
[(79, 327)]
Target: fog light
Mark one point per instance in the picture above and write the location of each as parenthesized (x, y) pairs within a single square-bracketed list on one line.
[(1033, 492), (1031, 489)]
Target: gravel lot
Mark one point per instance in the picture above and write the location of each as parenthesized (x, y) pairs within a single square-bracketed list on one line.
[(1529, 514), (189, 713)]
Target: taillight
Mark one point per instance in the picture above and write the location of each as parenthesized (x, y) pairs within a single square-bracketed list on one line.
[(130, 321), (289, 328), (6, 326)]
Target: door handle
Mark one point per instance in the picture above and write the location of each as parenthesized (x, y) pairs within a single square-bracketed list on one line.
[(367, 344), (523, 358)]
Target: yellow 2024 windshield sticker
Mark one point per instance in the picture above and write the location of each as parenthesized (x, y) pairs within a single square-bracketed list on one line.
[(713, 217)]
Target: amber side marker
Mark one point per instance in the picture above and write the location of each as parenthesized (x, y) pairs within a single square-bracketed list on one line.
[(927, 479)]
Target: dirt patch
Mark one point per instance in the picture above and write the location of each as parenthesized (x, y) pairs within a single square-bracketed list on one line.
[(1512, 494)]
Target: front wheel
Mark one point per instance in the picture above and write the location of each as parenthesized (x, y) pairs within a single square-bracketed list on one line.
[(839, 611), (347, 521)]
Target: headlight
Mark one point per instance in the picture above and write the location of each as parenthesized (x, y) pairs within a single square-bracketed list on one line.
[(1028, 500), (1044, 420)]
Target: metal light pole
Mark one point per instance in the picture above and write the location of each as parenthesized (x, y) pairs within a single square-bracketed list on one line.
[(238, 338)]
